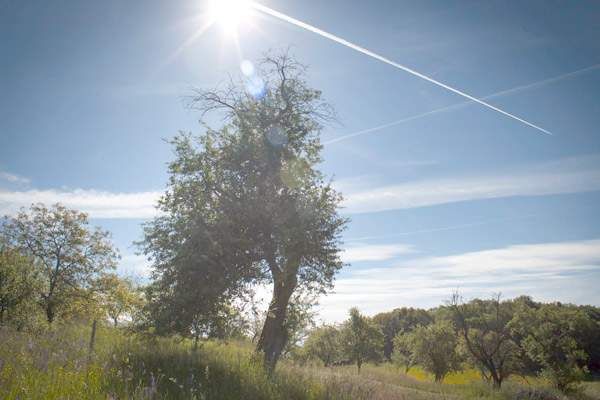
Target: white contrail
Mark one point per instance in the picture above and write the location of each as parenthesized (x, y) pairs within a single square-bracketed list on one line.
[(328, 35), (448, 108)]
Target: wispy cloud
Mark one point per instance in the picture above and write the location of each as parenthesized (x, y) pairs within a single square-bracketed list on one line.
[(443, 228), (565, 271), (97, 203), (565, 176), (13, 178), (466, 103), (381, 252)]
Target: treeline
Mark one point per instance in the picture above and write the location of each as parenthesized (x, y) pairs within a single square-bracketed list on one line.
[(500, 338), (54, 266)]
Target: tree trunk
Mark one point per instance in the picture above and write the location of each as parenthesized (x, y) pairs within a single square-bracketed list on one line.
[(497, 381), (274, 334), (50, 313)]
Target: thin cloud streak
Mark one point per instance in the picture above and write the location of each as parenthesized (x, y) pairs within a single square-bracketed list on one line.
[(466, 103), (387, 61), (374, 252), (97, 203), (445, 228), (537, 181)]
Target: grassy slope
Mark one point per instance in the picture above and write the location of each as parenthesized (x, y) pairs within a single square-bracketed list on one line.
[(58, 365)]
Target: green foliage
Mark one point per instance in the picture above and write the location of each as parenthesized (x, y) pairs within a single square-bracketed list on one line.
[(434, 348), (56, 363), (299, 321), (19, 284), (65, 251), (486, 331), (399, 320), (362, 340), (403, 355), (325, 344), (246, 204), (590, 338), (551, 341), (118, 295)]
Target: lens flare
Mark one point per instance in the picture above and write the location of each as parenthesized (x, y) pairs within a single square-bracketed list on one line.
[(247, 68), (277, 136), (256, 87)]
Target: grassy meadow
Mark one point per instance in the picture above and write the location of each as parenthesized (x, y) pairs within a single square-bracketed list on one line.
[(58, 364)]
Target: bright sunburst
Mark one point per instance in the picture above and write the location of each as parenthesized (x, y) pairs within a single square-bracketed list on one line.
[(230, 14)]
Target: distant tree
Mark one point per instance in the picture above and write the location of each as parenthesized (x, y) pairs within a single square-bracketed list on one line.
[(247, 205), (118, 295), (400, 320), (68, 254), (362, 340), (551, 341), (403, 355), (300, 321), (434, 348), (19, 283), (324, 343), (590, 338), (486, 330)]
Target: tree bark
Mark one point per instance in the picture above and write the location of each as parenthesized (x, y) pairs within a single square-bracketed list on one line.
[(274, 334), (50, 314), (497, 381)]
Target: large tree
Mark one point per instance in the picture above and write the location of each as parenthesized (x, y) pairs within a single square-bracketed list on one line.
[(246, 204), (68, 254)]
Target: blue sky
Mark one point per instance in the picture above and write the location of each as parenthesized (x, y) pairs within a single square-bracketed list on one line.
[(456, 196)]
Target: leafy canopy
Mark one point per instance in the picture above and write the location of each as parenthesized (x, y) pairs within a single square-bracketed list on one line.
[(246, 205), (68, 254)]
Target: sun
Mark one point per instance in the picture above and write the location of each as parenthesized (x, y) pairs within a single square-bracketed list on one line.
[(229, 14)]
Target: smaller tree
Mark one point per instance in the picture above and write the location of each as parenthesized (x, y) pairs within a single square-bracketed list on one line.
[(362, 339), (486, 331), (400, 320), (118, 295), (300, 321), (403, 355), (434, 348), (325, 344), (68, 254), (550, 341), (19, 283)]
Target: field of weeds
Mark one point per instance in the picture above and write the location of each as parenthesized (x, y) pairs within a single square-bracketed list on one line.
[(58, 364)]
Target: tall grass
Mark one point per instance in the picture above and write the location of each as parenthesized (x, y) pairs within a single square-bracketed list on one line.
[(57, 364)]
